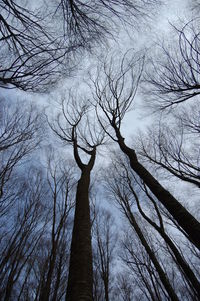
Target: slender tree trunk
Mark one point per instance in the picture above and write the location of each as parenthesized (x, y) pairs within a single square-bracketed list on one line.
[(80, 270), (183, 265), (185, 219), (46, 289), (106, 292), (58, 276), (161, 273)]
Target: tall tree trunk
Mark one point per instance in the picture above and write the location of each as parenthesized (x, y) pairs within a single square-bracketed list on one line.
[(184, 218), (80, 270)]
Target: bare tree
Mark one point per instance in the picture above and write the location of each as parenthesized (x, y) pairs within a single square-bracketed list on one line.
[(143, 275), (92, 20), (43, 41), (36, 240), (136, 191), (171, 149), (19, 136), (114, 96), (20, 240), (105, 238), (124, 287), (60, 183), (36, 51), (76, 130), (175, 78), (121, 196)]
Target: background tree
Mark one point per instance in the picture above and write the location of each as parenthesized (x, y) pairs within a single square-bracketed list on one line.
[(36, 240), (20, 235), (19, 137), (174, 77), (137, 194), (171, 148), (60, 183), (124, 287), (105, 237), (122, 197)]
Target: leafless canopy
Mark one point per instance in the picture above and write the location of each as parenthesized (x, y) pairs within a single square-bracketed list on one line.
[(175, 78), (38, 45), (172, 151), (32, 53), (91, 20), (115, 88), (76, 126), (18, 137)]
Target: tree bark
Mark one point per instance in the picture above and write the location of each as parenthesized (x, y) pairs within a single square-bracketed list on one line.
[(80, 270)]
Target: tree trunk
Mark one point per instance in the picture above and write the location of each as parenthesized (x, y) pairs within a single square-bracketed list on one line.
[(46, 288), (80, 270), (58, 276), (187, 222), (106, 292)]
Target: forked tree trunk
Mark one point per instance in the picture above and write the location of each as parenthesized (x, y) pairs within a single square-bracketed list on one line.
[(80, 278)]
